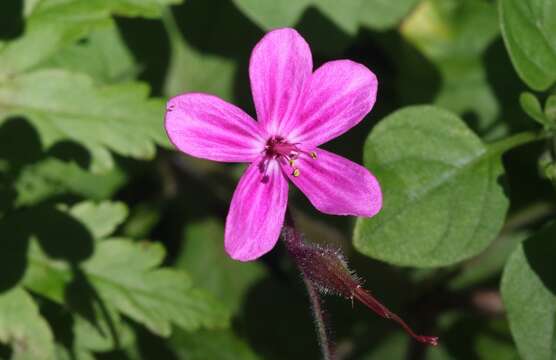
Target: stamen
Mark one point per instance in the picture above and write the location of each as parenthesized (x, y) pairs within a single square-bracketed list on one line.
[(278, 148)]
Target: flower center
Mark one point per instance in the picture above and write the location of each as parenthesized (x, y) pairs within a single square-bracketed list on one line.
[(278, 148)]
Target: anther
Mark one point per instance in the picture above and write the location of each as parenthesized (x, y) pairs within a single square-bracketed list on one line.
[(313, 155), (296, 172), (292, 162)]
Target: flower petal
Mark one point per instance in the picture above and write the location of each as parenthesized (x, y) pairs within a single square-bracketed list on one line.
[(337, 186), (208, 127), (280, 68), (339, 96), (257, 212)]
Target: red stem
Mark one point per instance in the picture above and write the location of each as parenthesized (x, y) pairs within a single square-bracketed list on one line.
[(366, 298)]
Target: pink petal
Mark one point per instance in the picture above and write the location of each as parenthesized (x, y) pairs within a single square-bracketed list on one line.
[(340, 94), (279, 69), (337, 186), (207, 127), (257, 212)]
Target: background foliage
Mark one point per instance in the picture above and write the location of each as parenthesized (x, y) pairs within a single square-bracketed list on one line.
[(463, 248)]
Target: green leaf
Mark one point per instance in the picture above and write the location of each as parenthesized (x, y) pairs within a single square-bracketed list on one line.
[(103, 55), (69, 106), (529, 293), (529, 32), (201, 345), (443, 198), (532, 107), (489, 264), (51, 176), (103, 331), (23, 328), (53, 24), (550, 109), (191, 69), (347, 14), (126, 275), (203, 256), (273, 14), (101, 219), (444, 31)]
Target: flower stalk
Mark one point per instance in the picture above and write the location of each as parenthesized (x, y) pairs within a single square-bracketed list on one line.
[(326, 270)]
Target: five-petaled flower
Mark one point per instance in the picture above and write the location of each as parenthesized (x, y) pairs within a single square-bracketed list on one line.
[(297, 110)]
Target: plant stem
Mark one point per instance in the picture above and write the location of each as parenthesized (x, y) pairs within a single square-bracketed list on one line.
[(518, 140), (291, 238), (326, 346)]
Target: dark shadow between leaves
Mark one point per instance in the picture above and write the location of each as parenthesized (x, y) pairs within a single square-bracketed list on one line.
[(69, 151), (471, 328), (323, 35), (13, 250), (60, 235), (539, 252), (506, 87), (151, 346), (149, 44), (229, 34), (83, 298), (11, 19), (61, 322)]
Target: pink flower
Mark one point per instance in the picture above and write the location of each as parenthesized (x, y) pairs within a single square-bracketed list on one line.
[(297, 110)]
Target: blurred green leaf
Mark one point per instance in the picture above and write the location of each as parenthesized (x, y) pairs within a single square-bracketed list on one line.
[(384, 14), (63, 353), (191, 69), (529, 32), (529, 293), (70, 106), (273, 14), (103, 55), (489, 263), (348, 14), (550, 108), (101, 219), (126, 276), (532, 106), (31, 175), (443, 200), (143, 218), (51, 176), (445, 31), (201, 345), (53, 24), (23, 328), (103, 331), (203, 256)]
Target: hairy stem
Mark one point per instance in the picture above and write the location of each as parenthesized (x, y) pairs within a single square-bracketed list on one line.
[(291, 238)]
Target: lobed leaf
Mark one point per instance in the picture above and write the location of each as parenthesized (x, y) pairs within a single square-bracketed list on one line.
[(126, 276), (348, 14), (120, 117), (23, 328)]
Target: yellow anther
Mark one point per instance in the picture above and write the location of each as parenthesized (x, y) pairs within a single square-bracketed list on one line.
[(314, 155), (292, 162), (296, 172)]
